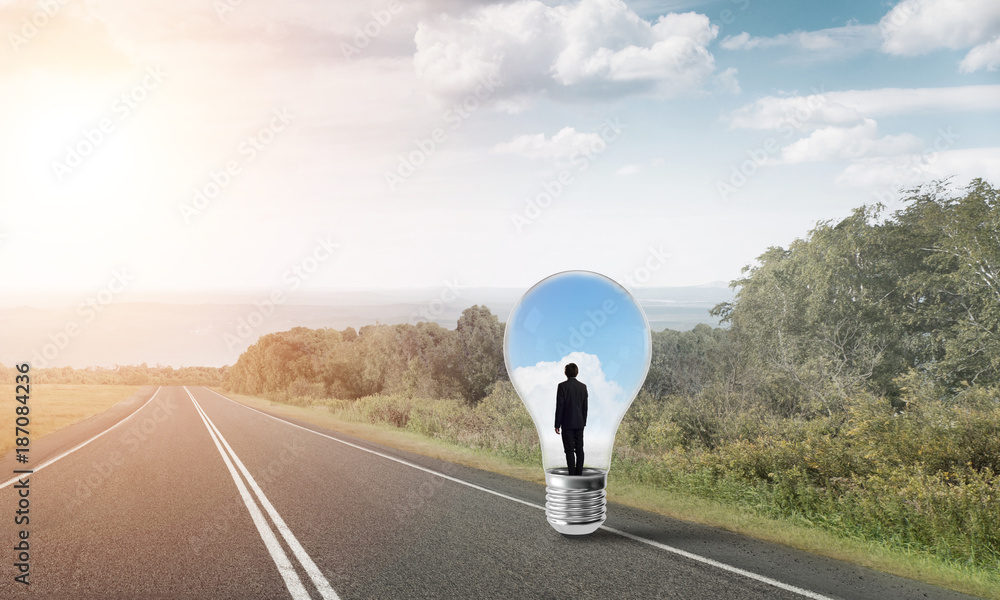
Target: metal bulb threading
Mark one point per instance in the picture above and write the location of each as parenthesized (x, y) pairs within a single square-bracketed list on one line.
[(575, 504)]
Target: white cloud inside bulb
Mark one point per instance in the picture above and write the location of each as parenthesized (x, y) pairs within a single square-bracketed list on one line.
[(606, 403)]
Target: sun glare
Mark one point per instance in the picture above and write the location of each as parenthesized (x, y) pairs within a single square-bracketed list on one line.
[(77, 158)]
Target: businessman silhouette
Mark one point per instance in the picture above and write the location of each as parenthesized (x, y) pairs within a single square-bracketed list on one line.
[(571, 417)]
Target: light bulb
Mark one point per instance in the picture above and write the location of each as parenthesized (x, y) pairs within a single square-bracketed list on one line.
[(588, 319)]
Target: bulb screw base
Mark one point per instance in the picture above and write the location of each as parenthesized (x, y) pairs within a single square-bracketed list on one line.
[(575, 504)]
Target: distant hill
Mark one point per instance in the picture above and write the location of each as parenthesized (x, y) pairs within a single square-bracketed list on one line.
[(213, 330)]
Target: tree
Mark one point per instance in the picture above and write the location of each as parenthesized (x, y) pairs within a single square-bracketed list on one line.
[(684, 362), (479, 352), (817, 321), (956, 292), (859, 303)]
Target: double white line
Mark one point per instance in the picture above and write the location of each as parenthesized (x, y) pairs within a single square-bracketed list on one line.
[(690, 555), (284, 564)]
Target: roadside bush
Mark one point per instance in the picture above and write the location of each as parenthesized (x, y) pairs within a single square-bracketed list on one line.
[(917, 472)]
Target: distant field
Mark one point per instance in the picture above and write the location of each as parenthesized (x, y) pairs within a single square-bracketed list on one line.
[(54, 406)]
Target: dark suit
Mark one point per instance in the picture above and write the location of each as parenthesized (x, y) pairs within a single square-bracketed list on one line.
[(571, 417)]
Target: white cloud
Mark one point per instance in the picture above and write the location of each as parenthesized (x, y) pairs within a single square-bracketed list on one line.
[(911, 28), (915, 27), (606, 404), (839, 143), (851, 38), (740, 41), (851, 107), (985, 56), (797, 112), (838, 126), (567, 143), (594, 48), (628, 170), (897, 101), (727, 82), (887, 175)]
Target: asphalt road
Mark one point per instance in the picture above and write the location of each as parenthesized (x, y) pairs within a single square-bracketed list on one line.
[(188, 494)]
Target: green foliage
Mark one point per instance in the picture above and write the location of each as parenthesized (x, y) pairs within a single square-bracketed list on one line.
[(498, 423), (648, 427), (816, 321), (684, 362), (855, 304), (855, 389), (479, 349), (924, 478), (957, 288), (423, 360)]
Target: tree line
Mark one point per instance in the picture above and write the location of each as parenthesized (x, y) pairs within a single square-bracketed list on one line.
[(424, 360), (874, 303), (854, 384)]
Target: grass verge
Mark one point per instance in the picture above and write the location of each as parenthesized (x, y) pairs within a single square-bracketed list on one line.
[(970, 580), (54, 406), (400, 439)]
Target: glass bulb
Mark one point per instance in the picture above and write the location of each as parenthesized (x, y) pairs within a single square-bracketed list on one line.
[(588, 319)]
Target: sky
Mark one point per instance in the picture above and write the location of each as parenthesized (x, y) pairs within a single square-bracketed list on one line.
[(219, 145), (606, 405), (579, 311), (589, 320)]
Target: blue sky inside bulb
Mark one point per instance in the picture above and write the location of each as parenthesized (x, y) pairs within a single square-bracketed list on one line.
[(588, 319)]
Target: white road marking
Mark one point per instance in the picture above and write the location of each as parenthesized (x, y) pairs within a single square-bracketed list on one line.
[(321, 583), (80, 445), (653, 543), (377, 453), (720, 565), (292, 581)]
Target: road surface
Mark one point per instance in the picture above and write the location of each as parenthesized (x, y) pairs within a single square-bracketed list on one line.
[(188, 494)]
